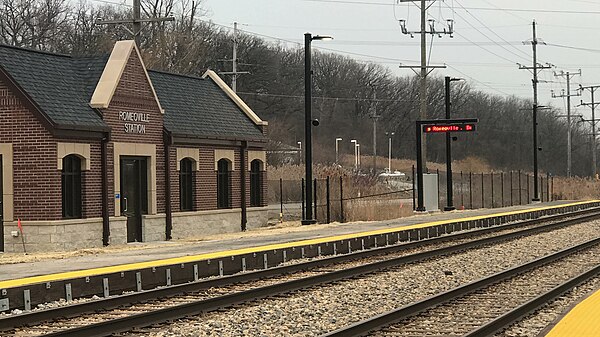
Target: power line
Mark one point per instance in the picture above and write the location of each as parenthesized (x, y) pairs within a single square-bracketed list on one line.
[(493, 32), (571, 47), (113, 3), (557, 11), (388, 59), (349, 99), (509, 13), (477, 81)]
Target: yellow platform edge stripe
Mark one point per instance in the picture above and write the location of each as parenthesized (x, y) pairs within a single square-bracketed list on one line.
[(221, 254), (580, 321)]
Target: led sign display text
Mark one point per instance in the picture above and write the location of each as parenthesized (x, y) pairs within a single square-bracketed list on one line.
[(442, 128)]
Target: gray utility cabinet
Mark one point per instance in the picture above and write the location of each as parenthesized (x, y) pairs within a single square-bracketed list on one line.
[(430, 192)]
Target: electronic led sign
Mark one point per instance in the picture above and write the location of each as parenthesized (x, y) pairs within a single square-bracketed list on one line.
[(442, 128)]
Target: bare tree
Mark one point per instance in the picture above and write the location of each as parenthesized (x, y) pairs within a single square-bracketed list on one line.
[(32, 23)]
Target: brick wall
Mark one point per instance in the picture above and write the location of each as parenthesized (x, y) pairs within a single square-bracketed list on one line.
[(36, 178), (91, 181), (206, 180), (134, 94)]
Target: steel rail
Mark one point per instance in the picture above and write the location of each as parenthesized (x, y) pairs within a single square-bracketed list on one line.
[(170, 313), (364, 327), (502, 322), (38, 316)]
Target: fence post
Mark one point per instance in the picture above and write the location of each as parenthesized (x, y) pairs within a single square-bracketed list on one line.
[(342, 200), (482, 192), (471, 189), (542, 188), (303, 204), (552, 188), (528, 197), (437, 177), (520, 190), (502, 188), (511, 189), (281, 199), (315, 197), (462, 195), (492, 175), (328, 202), (413, 189), (548, 195)]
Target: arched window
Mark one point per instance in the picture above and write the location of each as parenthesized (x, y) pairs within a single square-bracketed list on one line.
[(255, 183), (186, 185), (223, 184), (71, 187)]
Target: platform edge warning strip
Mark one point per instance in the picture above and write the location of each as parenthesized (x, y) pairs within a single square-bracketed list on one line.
[(580, 321), (6, 284)]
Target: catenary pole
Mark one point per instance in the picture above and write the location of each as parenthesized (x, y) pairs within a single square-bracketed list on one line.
[(568, 75), (535, 69), (593, 105)]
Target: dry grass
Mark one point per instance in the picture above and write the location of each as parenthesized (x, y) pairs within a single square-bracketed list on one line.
[(378, 210), (469, 164), (576, 188)]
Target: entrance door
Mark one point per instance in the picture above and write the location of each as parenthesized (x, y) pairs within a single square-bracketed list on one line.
[(134, 195), (1, 209)]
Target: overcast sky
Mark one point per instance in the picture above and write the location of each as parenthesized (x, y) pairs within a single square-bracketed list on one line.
[(487, 44)]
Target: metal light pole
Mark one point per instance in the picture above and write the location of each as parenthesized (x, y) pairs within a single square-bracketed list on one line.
[(308, 123), (355, 154), (300, 147), (390, 135), (449, 186), (337, 149)]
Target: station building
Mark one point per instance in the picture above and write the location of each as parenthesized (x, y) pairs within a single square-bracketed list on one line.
[(100, 150)]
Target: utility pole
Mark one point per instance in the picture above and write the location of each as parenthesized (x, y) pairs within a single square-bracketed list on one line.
[(375, 117), (536, 69), (449, 186), (568, 95), (234, 59), (136, 22), (425, 70), (593, 105)]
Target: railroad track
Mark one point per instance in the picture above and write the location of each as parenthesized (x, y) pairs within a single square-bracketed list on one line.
[(487, 306), (217, 293)]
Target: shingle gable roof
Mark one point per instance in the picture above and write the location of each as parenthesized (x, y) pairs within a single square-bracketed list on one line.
[(197, 107), (55, 84), (61, 86)]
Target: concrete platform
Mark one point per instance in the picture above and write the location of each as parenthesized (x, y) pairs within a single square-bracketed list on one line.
[(153, 252)]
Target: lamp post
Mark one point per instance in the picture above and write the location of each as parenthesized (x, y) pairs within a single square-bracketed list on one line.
[(300, 153), (449, 186), (355, 154), (358, 151), (337, 148), (308, 123), (390, 135)]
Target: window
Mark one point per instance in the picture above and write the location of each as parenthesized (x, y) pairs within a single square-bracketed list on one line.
[(186, 182), (223, 184), (255, 183), (71, 187)]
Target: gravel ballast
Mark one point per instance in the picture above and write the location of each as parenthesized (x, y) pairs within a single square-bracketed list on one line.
[(326, 308)]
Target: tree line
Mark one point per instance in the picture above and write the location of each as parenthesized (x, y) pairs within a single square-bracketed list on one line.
[(343, 92)]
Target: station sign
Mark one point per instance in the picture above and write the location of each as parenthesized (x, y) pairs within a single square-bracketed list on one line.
[(453, 127)]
